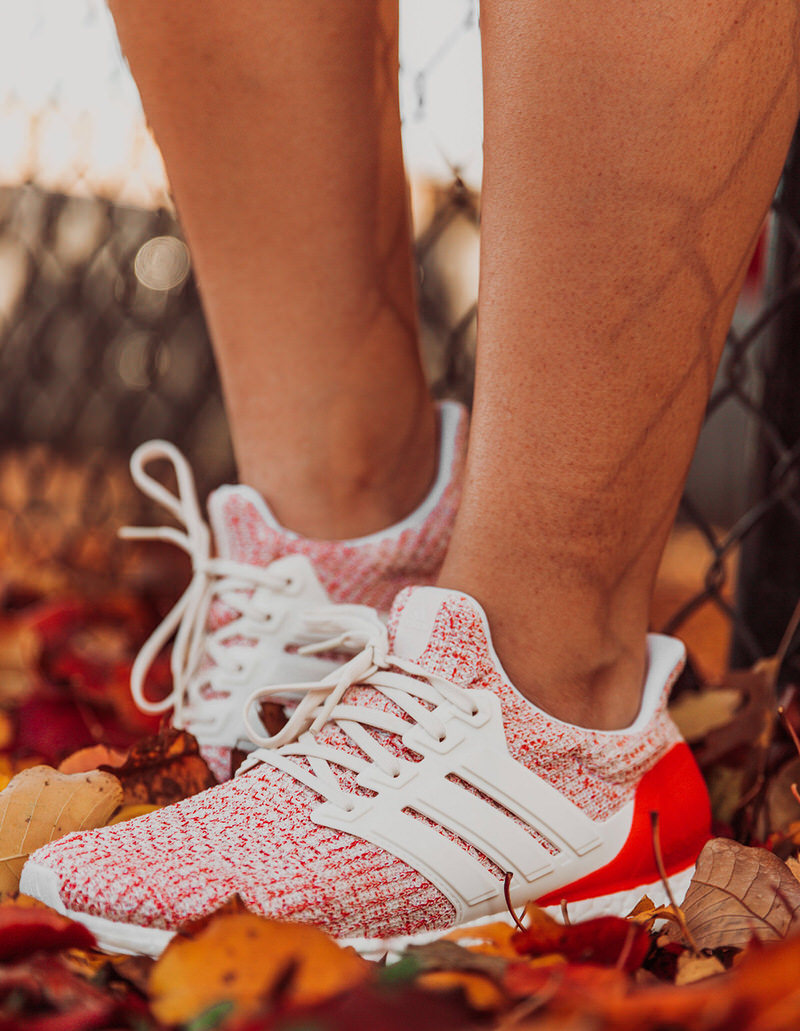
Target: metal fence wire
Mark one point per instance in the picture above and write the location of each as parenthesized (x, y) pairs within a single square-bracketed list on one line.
[(103, 345)]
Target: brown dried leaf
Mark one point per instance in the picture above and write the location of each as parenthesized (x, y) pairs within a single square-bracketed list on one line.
[(780, 808), (163, 769), (752, 725), (41, 804), (737, 894), (794, 867), (725, 790)]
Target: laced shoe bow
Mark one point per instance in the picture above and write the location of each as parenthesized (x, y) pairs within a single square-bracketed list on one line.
[(232, 624)]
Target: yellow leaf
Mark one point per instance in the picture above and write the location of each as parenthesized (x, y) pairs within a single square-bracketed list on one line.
[(241, 958), (697, 714), (130, 812), (40, 804), (696, 968), (489, 939), (481, 992)]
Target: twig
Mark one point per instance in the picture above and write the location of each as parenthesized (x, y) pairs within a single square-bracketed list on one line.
[(507, 896), (564, 913), (786, 640), (795, 739), (662, 872), (789, 727)]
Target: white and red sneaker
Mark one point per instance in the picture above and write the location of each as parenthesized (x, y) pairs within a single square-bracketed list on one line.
[(405, 788), (250, 608)]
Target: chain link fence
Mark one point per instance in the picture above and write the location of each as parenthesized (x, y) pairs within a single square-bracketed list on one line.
[(103, 343)]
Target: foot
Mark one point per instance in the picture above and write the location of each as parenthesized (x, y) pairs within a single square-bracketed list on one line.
[(266, 593), (393, 804)]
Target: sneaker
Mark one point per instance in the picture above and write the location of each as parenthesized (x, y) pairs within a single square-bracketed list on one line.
[(390, 809), (248, 612)]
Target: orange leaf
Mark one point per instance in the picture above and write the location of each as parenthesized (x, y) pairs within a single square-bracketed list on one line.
[(243, 959), (92, 758)]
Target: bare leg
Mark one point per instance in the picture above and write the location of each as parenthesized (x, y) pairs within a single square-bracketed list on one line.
[(280, 128), (631, 152)]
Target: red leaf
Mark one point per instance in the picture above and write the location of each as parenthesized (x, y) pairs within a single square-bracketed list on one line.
[(604, 941), (23, 931)]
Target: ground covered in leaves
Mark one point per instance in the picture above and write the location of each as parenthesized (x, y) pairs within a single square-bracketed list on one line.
[(75, 752)]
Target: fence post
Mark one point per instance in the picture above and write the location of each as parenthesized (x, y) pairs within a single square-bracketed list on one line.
[(769, 578)]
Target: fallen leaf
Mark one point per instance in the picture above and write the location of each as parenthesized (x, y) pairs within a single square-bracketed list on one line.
[(794, 867), (243, 958), (605, 941), (698, 714), (575, 984), (52, 723), (644, 905), (494, 939), (25, 929), (378, 1007), (781, 808), (480, 991), (135, 970), (751, 727), (131, 812), (693, 968), (447, 955), (92, 758), (725, 790), (47, 996), (737, 894), (6, 730), (162, 769), (40, 804), (647, 912), (20, 646)]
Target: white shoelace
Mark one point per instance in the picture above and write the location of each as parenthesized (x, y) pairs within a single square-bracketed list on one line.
[(404, 683), (244, 589)]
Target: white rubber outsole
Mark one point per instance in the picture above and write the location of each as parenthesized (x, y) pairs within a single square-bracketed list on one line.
[(132, 939)]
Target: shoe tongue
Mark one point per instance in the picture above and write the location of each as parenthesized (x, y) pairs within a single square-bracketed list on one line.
[(443, 631), (244, 528)]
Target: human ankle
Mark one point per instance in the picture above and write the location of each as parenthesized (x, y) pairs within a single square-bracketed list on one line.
[(601, 696), (583, 674), (343, 490)]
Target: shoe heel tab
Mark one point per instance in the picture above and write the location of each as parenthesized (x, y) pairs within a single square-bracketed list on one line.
[(666, 657)]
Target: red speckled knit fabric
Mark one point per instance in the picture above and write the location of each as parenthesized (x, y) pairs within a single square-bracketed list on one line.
[(253, 836)]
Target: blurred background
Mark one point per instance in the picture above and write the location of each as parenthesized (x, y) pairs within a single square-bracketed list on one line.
[(103, 343)]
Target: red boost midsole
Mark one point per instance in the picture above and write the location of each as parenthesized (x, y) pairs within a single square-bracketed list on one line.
[(675, 790)]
